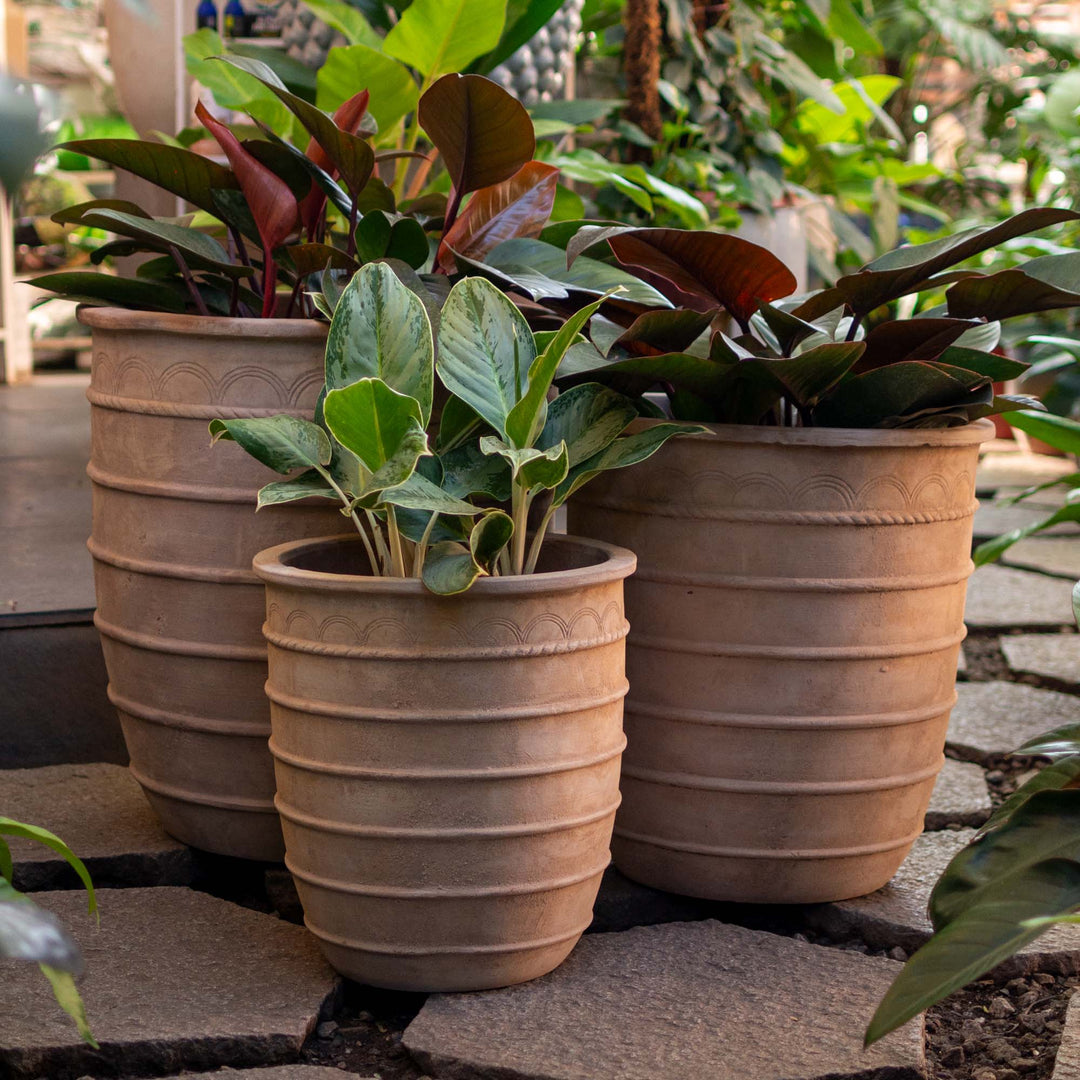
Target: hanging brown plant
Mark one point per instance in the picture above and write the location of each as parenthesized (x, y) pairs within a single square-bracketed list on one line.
[(641, 65)]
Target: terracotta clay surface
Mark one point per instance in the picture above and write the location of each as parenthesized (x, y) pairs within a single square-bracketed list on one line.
[(174, 532), (797, 614), (447, 767)]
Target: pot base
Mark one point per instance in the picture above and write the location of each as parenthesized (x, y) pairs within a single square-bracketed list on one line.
[(757, 881)]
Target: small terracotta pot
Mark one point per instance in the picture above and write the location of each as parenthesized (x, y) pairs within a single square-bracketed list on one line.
[(174, 532), (796, 613), (447, 767)]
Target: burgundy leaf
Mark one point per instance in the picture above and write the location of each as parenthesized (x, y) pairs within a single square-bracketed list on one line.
[(519, 206), (702, 270)]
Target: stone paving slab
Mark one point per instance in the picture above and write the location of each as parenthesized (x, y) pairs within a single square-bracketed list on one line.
[(1018, 470), (278, 1072), (997, 717), (700, 999), (1067, 1062), (993, 519), (960, 796), (100, 812), (1055, 656), (174, 979), (1051, 554), (896, 914), (1003, 597)]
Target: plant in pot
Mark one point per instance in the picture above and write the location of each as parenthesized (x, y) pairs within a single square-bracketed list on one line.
[(276, 233), (798, 602), (446, 689)]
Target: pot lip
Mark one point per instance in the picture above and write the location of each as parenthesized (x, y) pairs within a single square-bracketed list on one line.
[(972, 434), (269, 565), (113, 318)]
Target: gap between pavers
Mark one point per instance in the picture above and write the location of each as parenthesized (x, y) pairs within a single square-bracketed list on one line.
[(174, 980), (1058, 555), (1012, 469), (101, 813), (1053, 656), (897, 914), (992, 718), (960, 796), (701, 999), (1000, 597), (277, 1072)]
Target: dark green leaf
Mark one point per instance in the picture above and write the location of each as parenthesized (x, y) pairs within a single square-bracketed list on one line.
[(306, 485), (489, 536), (588, 418), (449, 568), (1054, 777), (89, 288)]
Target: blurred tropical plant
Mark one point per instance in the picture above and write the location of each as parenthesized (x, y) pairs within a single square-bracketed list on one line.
[(29, 932), (1016, 879)]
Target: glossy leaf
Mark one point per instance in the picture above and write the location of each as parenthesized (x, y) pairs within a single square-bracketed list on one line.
[(72, 215), (526, 419), (700, 376), (468, 472), (619, 454), (519, 206), (531, 468), (485, 350), (449, 568), (307, 485), (1054, 777), (1009, 293), (199, 250), (35, 833), (998, 368), (313, 258), (381, 330), (281, 442), (435, 36), (901, 271), (983, 935), (588, 418), (419, 493), (351, 155), (586, 275), (990, 550), (806, 378), (1046, 826), (373, 421), (909, 339), (704, 270), (483, 133), (489, 536), (181, 172), (89, 288), (664, 331), (364, 65), (1060, 432)]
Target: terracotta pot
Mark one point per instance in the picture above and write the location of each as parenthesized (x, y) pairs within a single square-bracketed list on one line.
[(447, 767), (174, 532), (797, 612)]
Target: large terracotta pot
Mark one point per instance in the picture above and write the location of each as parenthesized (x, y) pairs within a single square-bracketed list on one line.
[(796, 613), (174, 532), (447, 767)]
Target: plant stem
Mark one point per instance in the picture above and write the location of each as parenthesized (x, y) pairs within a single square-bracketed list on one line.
[(269, 284), (350, 242), (538, 540), (325, 474), (520, 500), (853, 329), (396, 553), (380, 542), (189, 281), (421, 548)]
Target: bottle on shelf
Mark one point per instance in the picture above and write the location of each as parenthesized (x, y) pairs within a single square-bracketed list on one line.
[(206, 15), (237, 22)]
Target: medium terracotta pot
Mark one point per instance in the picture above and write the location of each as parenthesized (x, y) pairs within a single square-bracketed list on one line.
[(797, 613), (174, 532), (447, 767)]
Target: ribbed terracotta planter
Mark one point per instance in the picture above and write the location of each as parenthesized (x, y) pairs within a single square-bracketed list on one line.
[(174, 532), (447, 767), (796, 612)]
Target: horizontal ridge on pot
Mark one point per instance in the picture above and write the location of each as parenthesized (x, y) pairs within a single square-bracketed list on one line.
[(447, 767), (174, 532), (796, 619)]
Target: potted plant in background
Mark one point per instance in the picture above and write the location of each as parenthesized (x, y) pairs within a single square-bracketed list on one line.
[(446, 689), (275, 234), (798, 603)]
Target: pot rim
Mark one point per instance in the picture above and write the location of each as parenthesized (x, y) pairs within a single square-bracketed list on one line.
[(976, 432), (270, 567), (114, 318)]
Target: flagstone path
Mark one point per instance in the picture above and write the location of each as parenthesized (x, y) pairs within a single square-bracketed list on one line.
[(198, 969)]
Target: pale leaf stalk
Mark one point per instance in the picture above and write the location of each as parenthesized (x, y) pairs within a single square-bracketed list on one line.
[(380, 542), (538, 540), (396, 554), (347, 502), (520, 506), (422, 547)]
